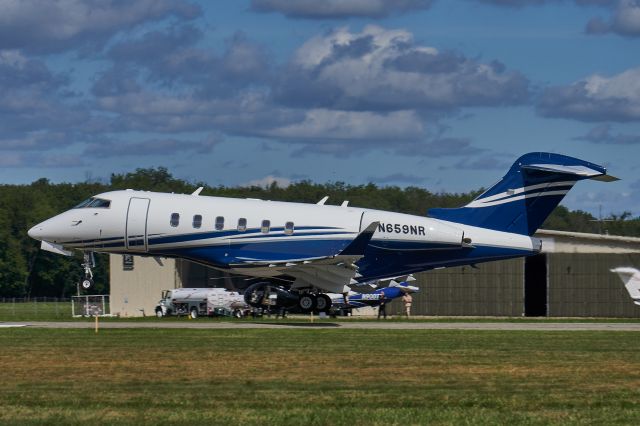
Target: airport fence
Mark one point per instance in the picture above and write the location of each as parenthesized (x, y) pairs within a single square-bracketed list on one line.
[(90, 306), (34, 308)]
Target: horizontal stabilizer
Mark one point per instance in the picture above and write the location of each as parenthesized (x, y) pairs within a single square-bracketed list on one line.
[(605, 178), (404, 286), (583, 171)]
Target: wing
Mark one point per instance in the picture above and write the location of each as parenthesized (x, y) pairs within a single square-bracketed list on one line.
[(330, 273)]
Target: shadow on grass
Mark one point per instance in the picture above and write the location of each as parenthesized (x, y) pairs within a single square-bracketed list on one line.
[(301, 324)]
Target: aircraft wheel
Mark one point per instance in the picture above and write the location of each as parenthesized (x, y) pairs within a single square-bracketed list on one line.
[(323, 303), (194, 313), (307, 302), (87, 283), (159, 313)]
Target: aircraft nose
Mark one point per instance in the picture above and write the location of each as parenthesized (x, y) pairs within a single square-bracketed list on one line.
[(37, 232)]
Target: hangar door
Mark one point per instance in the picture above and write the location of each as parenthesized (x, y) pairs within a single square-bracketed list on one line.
[(535, 286), (136, 233)]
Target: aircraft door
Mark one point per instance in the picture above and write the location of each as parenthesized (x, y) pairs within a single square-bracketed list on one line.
[(136, 232), (366, 218)]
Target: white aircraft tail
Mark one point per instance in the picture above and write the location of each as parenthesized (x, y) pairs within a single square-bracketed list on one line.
[(631, 279), (404, 286)]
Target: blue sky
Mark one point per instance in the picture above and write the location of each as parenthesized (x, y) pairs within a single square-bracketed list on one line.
[(439, 94)]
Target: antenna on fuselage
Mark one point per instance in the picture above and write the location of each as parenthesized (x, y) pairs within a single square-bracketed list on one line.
[(198, 191), (324, 200)]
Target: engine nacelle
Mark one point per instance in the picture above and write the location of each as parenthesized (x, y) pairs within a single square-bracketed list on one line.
[(264, 294), (400, 231), (446, 234)]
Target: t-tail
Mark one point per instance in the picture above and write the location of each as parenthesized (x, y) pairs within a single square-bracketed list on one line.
[(524, 198)]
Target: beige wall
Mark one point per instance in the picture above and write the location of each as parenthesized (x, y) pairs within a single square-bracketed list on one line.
[(139, 289)]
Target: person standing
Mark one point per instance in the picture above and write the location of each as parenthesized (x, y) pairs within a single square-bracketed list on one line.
[(382, 308), (408, 300)]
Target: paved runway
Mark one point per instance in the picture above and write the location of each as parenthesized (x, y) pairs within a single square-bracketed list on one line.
[(376, 325)]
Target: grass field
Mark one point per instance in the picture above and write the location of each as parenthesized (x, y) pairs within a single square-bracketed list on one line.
[(61, 311), (35, 311), (318, 376)]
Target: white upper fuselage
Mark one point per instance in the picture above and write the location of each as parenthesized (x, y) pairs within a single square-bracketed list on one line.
[(231, 234)]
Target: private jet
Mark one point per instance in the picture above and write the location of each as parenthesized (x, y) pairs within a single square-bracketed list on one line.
[(314, 249)]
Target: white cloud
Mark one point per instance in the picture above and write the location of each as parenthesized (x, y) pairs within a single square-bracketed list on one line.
[(596, 98), (55, 25), (625, 20), (359, 125), (381, 69), (625, 85)]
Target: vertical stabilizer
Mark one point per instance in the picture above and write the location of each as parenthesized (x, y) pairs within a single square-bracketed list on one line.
[(534, 185)]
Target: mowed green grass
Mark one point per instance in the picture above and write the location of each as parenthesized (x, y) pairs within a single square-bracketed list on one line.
[(318, 376), (35, 311), (61, 311)]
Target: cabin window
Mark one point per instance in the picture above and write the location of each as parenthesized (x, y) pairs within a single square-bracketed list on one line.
[(219, 223), (242, 224), (266, 226), (288, 228), (175, 219), (197, 221)]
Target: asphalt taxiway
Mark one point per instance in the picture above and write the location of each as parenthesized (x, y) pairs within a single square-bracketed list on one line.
[(374, 325)]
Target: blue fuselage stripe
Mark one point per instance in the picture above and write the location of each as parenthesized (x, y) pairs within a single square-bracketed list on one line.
[(398, 257)]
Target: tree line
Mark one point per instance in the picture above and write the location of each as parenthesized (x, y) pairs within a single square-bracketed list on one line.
[(26, 271)]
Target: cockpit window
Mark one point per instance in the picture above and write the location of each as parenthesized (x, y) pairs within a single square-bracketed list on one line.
[(93, 202)]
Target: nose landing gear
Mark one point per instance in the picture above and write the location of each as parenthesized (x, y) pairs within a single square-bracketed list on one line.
[(88, 263)]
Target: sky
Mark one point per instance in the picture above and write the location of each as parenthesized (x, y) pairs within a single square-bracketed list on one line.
[(439, 94)]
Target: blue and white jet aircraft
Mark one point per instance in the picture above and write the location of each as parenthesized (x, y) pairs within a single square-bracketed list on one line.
[(316, 248)]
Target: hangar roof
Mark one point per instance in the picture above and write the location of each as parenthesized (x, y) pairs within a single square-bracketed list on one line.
[(581, 242)]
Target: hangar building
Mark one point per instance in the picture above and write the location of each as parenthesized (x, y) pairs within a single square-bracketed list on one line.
[(569, 278)]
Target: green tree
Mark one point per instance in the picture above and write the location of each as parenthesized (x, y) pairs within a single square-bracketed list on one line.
[(27, 271)]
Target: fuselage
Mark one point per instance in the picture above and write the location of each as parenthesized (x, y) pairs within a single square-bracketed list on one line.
[(250, 237)]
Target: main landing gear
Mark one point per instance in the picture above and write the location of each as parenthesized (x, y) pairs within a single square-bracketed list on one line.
[(309, 302), (88, 263)]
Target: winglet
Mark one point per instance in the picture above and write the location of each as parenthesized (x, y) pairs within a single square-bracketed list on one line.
[(324, 200), (359, 244)]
